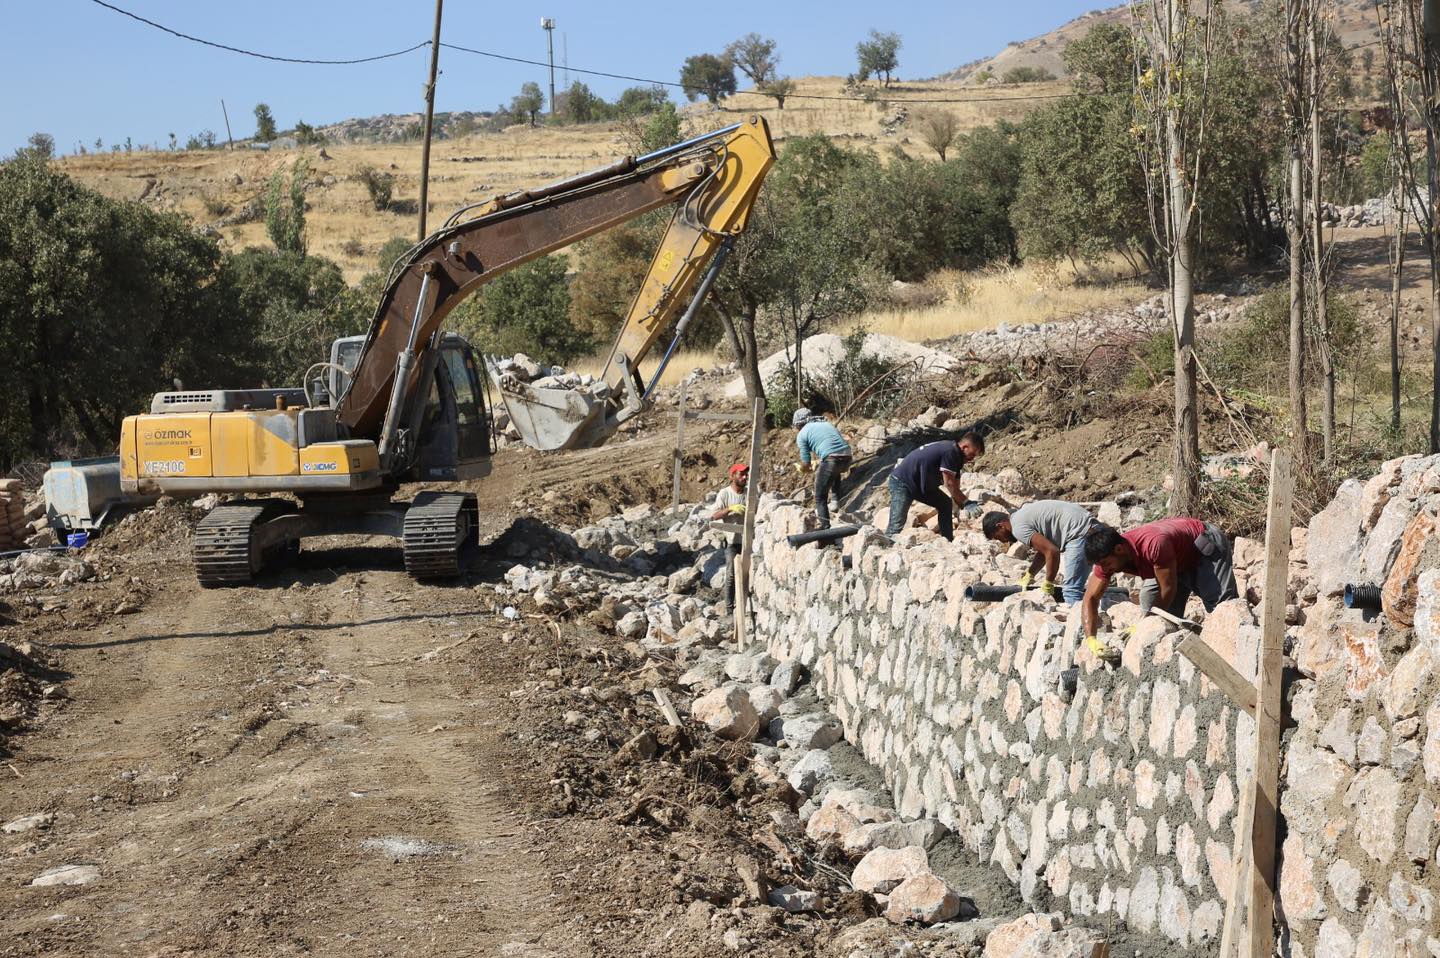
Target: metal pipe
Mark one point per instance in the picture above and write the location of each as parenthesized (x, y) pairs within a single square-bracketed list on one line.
[(404, 367), (822, 535), (705, 283), (663, 152), (1362, 596), (989, 593)]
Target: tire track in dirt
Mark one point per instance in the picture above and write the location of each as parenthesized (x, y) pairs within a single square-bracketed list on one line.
[(249, 780)]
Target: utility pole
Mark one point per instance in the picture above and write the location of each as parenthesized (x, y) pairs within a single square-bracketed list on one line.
[(429, 119), (226, 113), (548, 25)]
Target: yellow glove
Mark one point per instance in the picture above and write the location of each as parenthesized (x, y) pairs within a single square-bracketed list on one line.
[(1025, 580), (1100, 650), (737, 510), (1048, 588)]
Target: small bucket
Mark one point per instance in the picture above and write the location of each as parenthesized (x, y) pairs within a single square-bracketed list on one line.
[(78, 540)]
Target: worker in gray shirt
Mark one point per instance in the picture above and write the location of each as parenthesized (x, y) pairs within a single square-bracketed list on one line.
[(1055, 532)]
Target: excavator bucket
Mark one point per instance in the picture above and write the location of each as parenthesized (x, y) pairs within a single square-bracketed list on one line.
[(549, 419)]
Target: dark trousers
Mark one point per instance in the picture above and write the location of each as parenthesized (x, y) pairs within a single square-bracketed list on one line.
[(827, 479), (1212, 578), (900, 499)]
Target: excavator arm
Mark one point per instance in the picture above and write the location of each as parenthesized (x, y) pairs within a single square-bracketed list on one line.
[(712, 180)]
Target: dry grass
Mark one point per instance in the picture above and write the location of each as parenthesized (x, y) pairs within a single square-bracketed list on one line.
[(344, 226), (982, 299)]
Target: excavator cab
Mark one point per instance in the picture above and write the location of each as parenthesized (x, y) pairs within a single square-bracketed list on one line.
[(453, 428)]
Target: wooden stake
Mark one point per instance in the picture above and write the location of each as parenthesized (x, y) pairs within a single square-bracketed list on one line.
[(667, 708), (679, 449), (752, 503), (1267, 708), (1240, 692)]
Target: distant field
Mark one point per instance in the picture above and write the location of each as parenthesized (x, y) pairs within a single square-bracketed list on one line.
[(344, 226)]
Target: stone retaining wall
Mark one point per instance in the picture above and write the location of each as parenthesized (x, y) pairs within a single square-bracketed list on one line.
[(1123, 801)]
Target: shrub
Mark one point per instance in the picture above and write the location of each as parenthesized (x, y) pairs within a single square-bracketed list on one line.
[(215, 206), (380, 186), (1026, 75)]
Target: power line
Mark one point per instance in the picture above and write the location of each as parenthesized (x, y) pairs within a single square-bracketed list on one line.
[(252, 53), (599, 73)]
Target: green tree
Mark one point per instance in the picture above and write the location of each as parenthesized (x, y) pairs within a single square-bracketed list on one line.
[(807, 257), (307, 135), (879, 55), (264, 123), (40, 146), (754, 56), (525, 310), (1102, 61), (285, 209), (102, 303), (709, 76), (778, 88), (578, 105), (1081, 192), (640, 100), (299, 304), (528, 102)]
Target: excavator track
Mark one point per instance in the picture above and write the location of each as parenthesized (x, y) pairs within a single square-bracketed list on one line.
[(438, 527), (225, 549)]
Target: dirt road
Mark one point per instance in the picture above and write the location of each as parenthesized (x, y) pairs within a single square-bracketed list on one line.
[(277, 771)]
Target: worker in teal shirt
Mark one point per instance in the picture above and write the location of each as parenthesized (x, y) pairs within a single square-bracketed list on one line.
[(821, 442)]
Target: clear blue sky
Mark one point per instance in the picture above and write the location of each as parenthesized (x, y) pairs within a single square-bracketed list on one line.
[(79, 71)]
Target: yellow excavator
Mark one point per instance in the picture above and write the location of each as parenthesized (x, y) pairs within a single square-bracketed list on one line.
[(405, 402)]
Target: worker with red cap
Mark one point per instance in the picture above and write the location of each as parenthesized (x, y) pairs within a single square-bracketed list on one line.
[(730, 502)]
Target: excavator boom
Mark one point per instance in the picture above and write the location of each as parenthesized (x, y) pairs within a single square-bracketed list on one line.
[(712, 180)]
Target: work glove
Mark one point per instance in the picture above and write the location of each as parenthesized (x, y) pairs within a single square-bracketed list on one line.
[(1101, 650), (800, 468), (737, 510), (1025, 579), (1048, 587), (972, 510)]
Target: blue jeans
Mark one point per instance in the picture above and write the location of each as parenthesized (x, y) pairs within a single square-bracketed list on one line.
[(900, 499), (1075, 570)]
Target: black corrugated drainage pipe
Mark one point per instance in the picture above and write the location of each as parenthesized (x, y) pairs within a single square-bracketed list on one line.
[(822, 535), (989, 593), (1362, 596)]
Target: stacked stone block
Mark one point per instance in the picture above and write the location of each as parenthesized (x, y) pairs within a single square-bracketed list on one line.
[(1124, 800)]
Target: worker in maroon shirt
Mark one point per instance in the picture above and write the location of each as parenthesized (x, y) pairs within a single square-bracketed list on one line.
[(1175, 558)]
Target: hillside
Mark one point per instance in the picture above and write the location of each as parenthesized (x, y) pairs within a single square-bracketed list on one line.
[(1354, 24), (211, 185)]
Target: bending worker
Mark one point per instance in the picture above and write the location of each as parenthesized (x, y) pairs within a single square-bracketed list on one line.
[(1054, 531), (1175, 558), (921, 476), (818, 438)]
